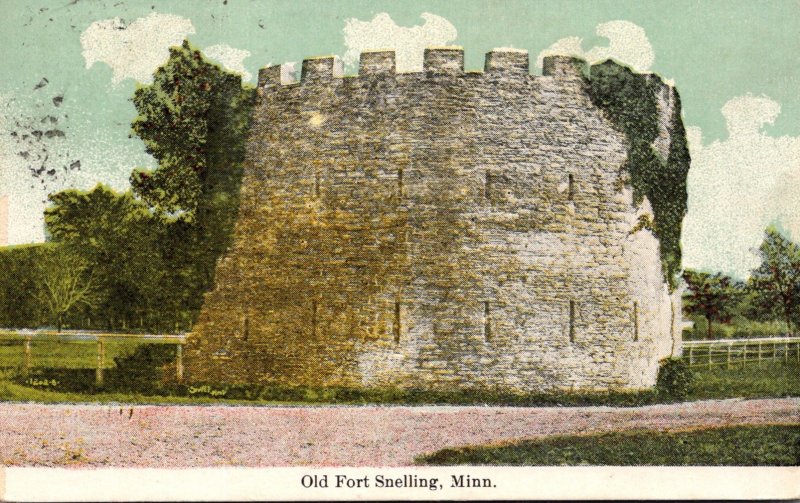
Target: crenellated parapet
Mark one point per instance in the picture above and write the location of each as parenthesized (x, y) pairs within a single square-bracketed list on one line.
[(437, 62)]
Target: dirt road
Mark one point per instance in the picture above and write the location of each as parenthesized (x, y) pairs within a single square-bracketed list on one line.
[(194, 436)]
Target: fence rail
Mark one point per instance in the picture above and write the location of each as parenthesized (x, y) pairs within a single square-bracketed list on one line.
[(740, 352), (30, 337)]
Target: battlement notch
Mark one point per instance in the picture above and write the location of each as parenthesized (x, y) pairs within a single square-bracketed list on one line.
[(276, 75), (321, 69)]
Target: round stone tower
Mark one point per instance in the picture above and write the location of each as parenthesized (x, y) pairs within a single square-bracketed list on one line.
[(438, 229)]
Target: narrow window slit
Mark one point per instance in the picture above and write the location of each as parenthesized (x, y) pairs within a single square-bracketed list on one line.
[(635, 321), (313, 318), (571, 188), (572, 321), (487, 321), (396, 326), (399, 183), (487, 185), (316, 184)]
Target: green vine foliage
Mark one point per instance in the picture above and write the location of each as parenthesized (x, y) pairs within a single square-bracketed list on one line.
[(630, 101)]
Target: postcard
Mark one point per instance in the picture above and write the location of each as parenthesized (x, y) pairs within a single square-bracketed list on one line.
[(422, 250)]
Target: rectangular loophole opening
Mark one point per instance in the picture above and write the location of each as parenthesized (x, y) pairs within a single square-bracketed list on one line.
[(399, 183), (571, 188), (396, 326), (572, 321), (487, 185), (487, 321), (635, 321), (316, 184), (313, 318)]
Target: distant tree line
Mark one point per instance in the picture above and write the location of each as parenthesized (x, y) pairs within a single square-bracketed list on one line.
[(772, 292), (141, 260)]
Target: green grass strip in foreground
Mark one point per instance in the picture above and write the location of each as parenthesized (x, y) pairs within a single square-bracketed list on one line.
[(770, 380), (770, 445)]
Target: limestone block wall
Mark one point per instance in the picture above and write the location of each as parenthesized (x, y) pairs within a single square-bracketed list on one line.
[(436, 229)]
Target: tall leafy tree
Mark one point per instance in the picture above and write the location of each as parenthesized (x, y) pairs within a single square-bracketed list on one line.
[(118, 238), (776, 281), (21, 287), (66, 282), (193, 119), (713, 296)]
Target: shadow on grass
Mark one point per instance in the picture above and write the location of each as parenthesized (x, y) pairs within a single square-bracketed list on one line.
[(770, 445)]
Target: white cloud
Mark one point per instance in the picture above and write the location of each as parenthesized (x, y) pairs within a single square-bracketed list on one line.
[(408, 43), (106, 156), (134, 50), (627, 43), (25, 224), (229, 57), (738, 186)]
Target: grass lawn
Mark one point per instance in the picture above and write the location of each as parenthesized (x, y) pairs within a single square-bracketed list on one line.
[(774, 445), (771, 379), (61, 354), (13, 392)]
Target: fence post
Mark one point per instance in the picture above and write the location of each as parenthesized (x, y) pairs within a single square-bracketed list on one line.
[(179, 362), (28, 358), (744, 355), (709, 355), (774, 351), (759, 354), (691, 349), (729, 356), (101, 357), (785, 352)]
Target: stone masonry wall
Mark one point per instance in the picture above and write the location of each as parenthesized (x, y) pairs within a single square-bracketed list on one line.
[(437, 229)]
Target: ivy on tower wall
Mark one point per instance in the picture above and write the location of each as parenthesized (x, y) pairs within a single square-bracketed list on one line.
[(630, 99)]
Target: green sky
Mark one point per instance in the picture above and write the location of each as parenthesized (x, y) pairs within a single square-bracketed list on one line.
[(713, 50)]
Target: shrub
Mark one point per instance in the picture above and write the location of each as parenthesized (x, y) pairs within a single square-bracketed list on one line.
[(675, 378), (142, 369)]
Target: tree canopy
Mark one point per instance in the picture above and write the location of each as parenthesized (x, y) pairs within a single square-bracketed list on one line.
[(776, 281), (713, 296), (193, 119)]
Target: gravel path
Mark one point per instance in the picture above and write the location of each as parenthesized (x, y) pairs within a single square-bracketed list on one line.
[(194, 436)]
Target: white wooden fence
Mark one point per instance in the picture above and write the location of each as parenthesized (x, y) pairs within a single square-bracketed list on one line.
[(740, 352)]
